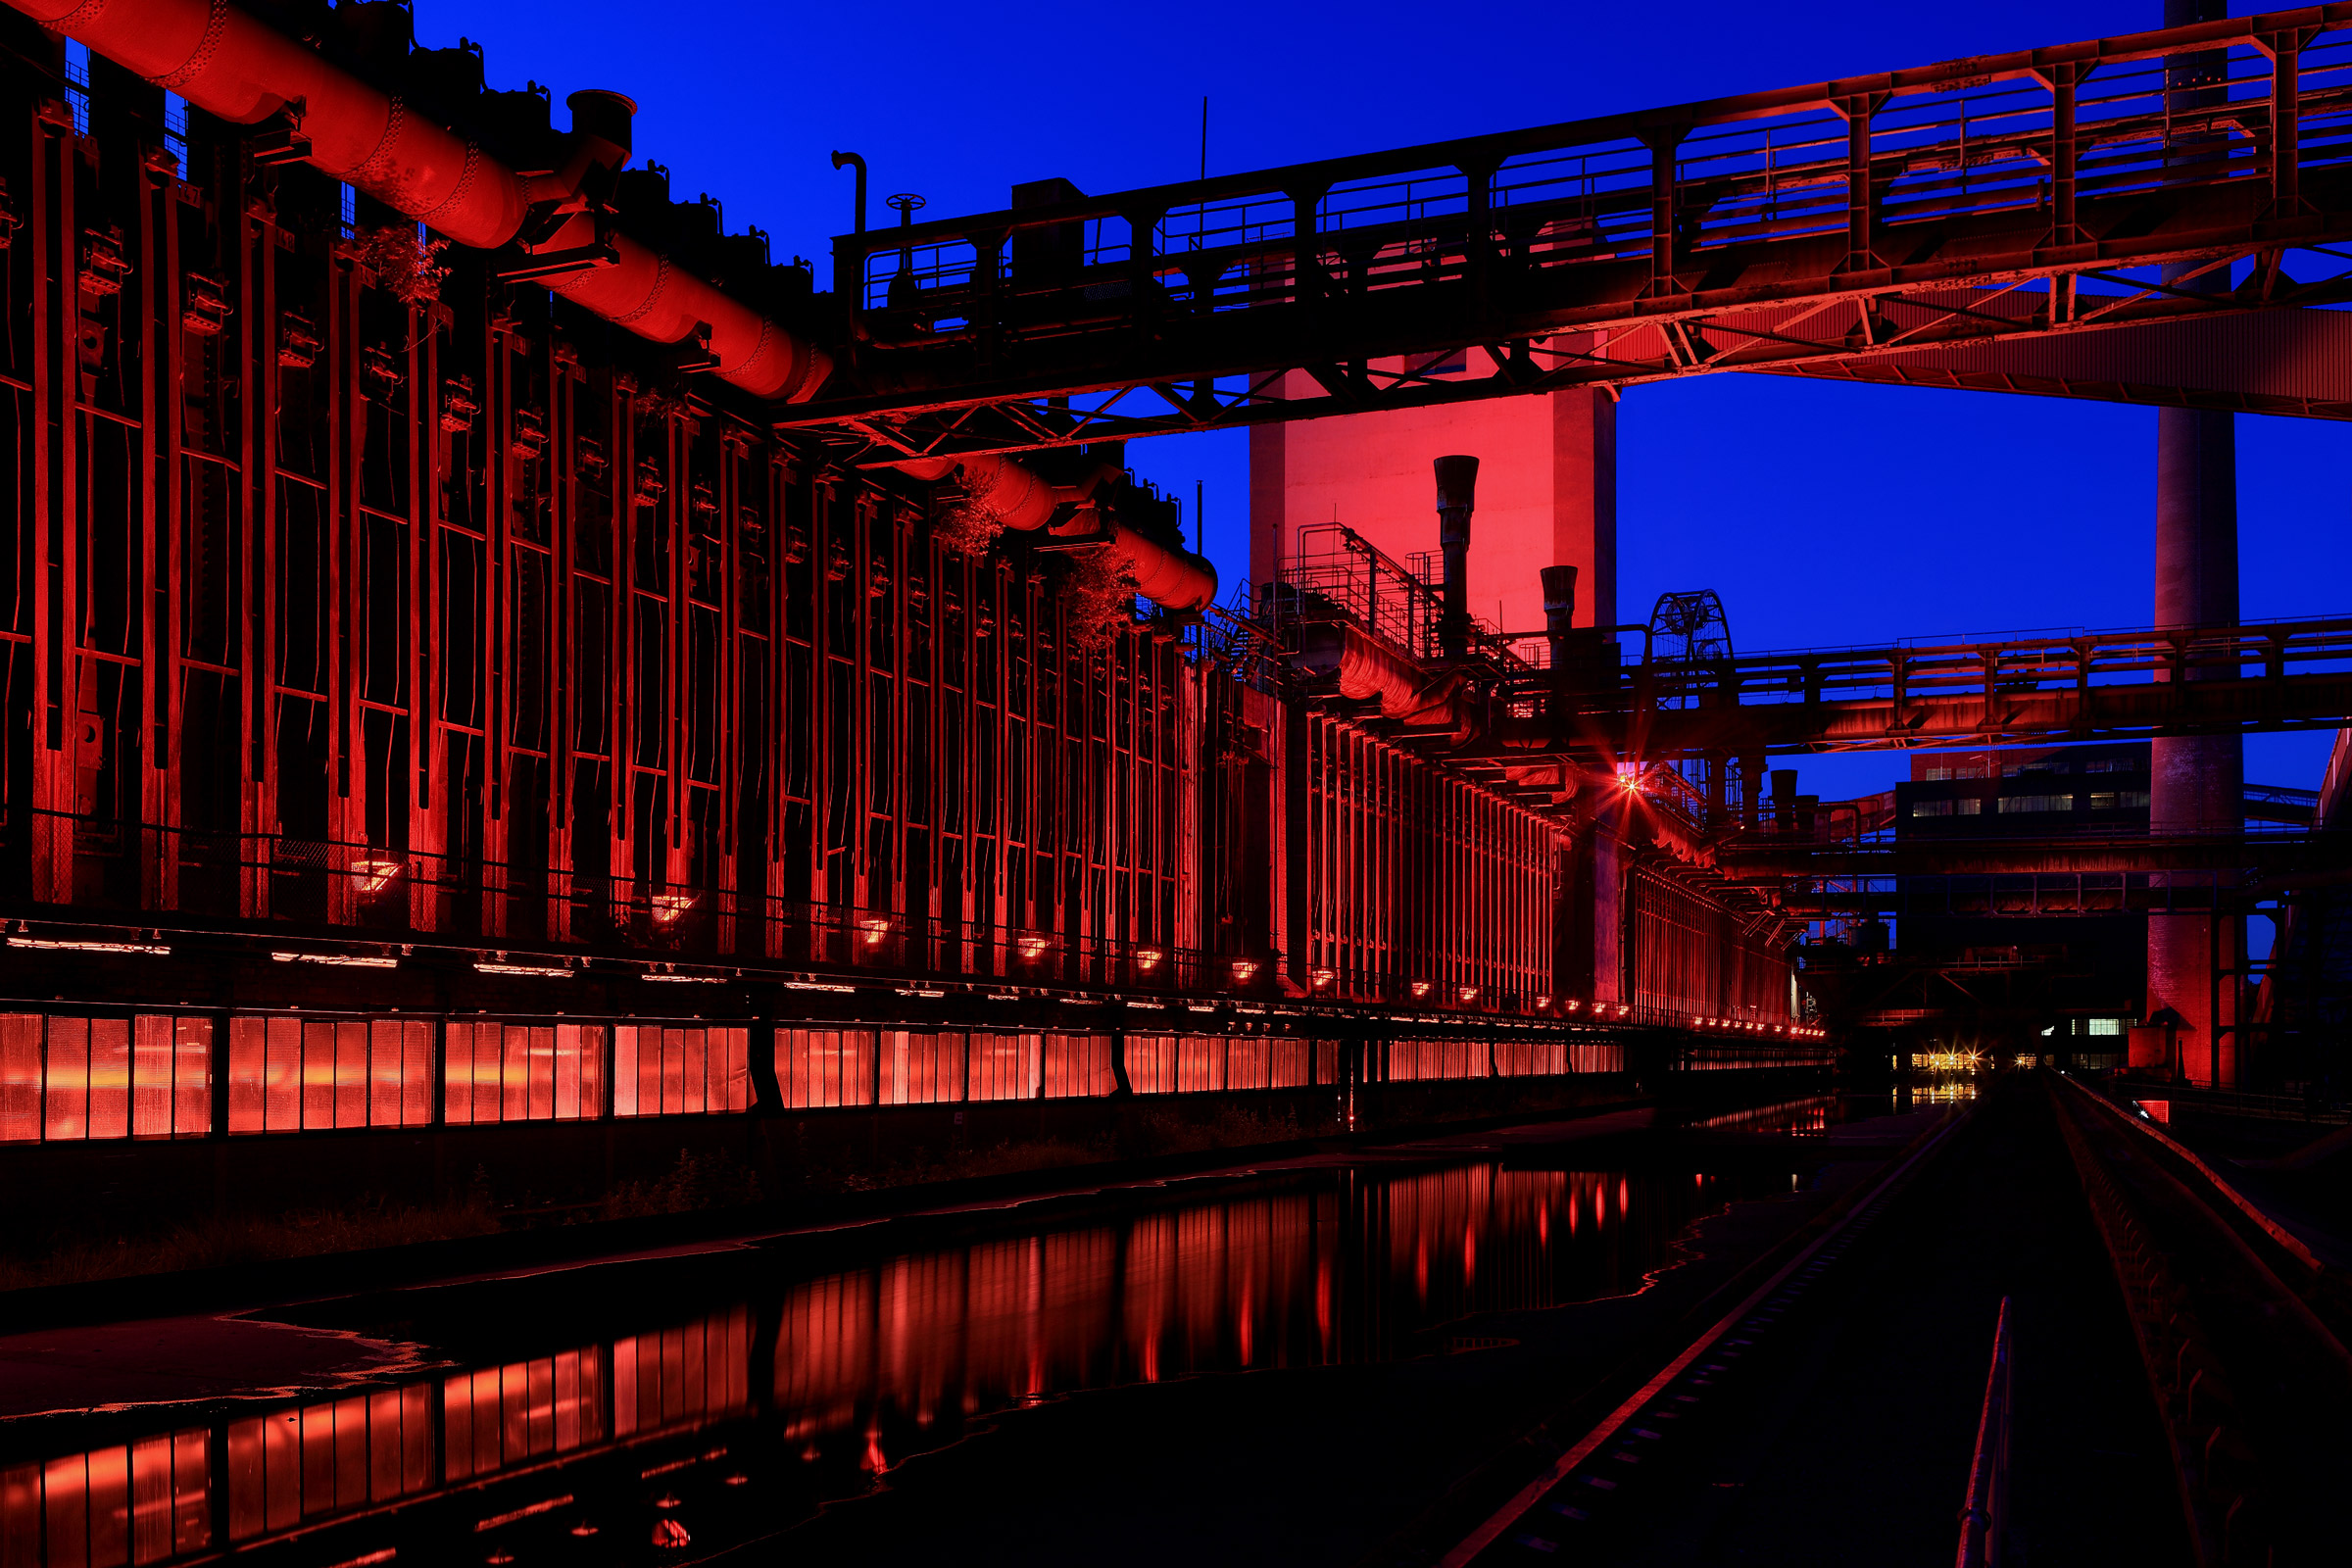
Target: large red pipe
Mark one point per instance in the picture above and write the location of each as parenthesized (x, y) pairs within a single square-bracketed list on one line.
[(1022, 498), (240, 68)]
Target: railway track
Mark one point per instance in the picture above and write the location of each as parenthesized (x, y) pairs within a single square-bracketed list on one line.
[(2179, 1365), (1588, 1494), (2241, 1333)]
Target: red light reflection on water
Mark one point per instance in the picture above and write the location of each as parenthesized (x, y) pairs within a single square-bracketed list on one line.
[(870, 1365)]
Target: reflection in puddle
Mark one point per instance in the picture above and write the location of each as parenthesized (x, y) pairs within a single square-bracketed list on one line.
[(1809, 1115), (735, 1419)]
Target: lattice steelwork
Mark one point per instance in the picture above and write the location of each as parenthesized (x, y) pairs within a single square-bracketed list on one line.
[(1812, 227), (1689, 949), (1417, 875)]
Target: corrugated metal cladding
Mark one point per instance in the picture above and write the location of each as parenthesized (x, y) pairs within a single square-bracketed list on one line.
[(344, 597)]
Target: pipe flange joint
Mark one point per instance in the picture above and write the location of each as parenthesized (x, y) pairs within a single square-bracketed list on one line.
[(371, 169), (767, 334), (456, 197), (653, 297), (87, 11), (215, 24)]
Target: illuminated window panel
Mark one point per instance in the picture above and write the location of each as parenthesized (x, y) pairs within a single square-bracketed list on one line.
[(1076, 1066), (1152, 1064), (497, 1073), (317, 1074), (69, 1079), (916, 1067), (1005, 1067), (666, 1071), (140, 1503), (821, 1068), (1201, 1064)]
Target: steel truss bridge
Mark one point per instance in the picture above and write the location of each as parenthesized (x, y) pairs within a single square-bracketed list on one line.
[(2054, 688), (2041, 221)]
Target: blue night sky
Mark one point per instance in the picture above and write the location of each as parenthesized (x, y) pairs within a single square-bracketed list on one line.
[(1824, 515)]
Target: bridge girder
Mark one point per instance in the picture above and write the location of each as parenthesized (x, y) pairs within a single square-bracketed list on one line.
[(1826, 229)]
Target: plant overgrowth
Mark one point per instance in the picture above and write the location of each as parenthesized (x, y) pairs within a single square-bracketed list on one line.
[(404, 261), (1096, 597)]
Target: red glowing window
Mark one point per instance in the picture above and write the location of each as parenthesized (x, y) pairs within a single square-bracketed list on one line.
[(676, 1071), (1076, 1066), (522, 1072), (19, 1077), (1152, 1064), (1006, 1066), (916, 1068), (73, 1078), (313, 1074), (1416, 1060), (140, 1503), (820, 1068), (1288, 1063), (1201, 1064)]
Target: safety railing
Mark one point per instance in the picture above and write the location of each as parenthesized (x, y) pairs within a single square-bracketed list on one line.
[(1338, 574), (1984, 1515), (364, 893), (2029, 131), (2003, 668), (2021, 892), (2218, 1476)]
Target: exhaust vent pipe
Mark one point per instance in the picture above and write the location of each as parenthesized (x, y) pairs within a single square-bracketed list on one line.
[(1457, 494), (233, 66), (1559, 610)]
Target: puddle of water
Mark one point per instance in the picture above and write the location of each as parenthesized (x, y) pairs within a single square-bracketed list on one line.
[(728, 1419)]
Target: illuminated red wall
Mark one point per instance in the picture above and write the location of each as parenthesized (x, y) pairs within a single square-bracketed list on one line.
[(1546, 492)]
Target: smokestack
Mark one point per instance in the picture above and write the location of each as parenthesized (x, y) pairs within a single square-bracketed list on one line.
[(1458, 493), (1783, 799), (1559, 606)]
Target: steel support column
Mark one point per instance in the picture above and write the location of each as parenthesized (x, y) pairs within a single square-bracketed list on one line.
[(2197, 781)]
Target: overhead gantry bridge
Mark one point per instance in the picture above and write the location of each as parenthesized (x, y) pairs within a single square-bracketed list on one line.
[(2038, 221), (2066, 687)]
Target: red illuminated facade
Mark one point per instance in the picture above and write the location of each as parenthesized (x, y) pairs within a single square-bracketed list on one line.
[(433, 705)]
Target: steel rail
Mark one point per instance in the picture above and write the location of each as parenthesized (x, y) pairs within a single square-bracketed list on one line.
[(1560, 1469), (1984, 1515), (2228, 1441)]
